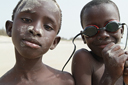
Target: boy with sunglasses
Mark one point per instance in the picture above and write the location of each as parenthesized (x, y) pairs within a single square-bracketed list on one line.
[(104, 64)]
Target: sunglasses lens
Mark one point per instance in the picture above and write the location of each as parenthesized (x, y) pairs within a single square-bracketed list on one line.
[(90, 31), (112, 27)]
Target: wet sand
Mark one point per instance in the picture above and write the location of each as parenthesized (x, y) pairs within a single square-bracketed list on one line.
[(55, 58)]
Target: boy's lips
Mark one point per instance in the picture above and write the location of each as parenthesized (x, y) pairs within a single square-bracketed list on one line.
[(31, 43), (102, 46)]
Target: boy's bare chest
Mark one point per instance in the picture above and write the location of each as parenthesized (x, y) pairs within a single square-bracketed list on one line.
[(98, 73), (52, 82), (41, 83)]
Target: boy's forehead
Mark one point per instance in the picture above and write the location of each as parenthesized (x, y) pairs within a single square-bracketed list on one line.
[(30, 4), (99, 7), (101, 12)]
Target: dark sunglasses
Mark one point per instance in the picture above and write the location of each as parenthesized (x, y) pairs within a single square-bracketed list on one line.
[(92, 30)]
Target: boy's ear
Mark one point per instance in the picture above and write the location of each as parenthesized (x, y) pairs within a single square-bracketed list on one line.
[(8, 26), (55, 43), (122, 31), (82, 36)]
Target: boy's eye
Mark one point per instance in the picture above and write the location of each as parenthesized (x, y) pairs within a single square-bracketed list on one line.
[(48, 27), (26, 20)]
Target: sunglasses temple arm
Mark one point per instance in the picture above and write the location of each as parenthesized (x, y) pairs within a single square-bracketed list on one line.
[(72, 52), (126, 35)]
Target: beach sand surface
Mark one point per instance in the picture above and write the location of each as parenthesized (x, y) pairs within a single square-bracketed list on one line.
[(55, 58)]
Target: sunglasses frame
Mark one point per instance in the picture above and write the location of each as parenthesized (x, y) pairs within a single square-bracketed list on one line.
[(97, 30)]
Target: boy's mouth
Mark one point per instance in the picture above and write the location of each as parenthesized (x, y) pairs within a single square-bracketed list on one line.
[(102, 46), (31, 43)]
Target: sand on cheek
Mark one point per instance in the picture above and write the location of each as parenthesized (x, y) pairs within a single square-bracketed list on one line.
[(23, 29)]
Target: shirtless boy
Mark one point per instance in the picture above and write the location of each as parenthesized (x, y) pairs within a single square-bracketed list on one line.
[(34, 28)]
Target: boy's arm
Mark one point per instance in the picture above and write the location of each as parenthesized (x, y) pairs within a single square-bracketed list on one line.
[(114, 59), (81, 68)]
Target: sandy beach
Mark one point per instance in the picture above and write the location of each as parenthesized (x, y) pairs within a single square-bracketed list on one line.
[(55, 58)]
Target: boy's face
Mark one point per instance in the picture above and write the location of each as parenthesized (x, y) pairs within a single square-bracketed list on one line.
[(99, 15), (35, 27)]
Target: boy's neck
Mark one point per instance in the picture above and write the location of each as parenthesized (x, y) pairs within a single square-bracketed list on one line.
[(98, 58), (25, 65), (29, 69)]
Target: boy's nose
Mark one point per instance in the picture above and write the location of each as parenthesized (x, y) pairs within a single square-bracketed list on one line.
[(102, 35), (36, 31)]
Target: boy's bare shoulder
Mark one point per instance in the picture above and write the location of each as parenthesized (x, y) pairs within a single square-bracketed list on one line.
[(83, 56), (64, 78), (83, 53), (6, 78)]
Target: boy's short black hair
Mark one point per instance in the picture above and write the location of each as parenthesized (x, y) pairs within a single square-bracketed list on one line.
[(95, 3), (15, 9)]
